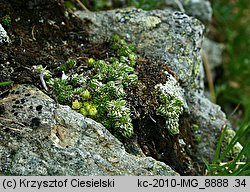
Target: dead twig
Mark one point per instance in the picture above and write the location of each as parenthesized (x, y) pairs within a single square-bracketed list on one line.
[(83, 6), (178, 3), (152, 118), (43, 81), (32, 33), (209, 77)]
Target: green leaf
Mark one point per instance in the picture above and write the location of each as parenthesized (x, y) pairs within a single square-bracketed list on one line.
[(6, 83), (218, 148)]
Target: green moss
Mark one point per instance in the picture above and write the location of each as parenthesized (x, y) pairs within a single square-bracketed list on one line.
[(119, 117), (39, 69), (86, 95), (70, 63), (62, 90), (78, 81), (170, 109), (69, 5), (198, 138), (195, 127), (102, 95), (234, 152), (91, 62), (92, 111), (6, 20), (87, 109), (84, 112), (76, 105), (171, 104)]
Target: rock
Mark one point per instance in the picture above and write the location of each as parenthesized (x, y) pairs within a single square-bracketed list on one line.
[(200, 9), (40, 137), (4, 38), (175, 39), (172, 37), (214, 53), (207, 121)]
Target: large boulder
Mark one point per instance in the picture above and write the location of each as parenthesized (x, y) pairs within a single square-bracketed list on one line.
[(40, 137)]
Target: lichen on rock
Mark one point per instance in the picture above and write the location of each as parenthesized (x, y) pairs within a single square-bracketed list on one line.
[(61, 141), (133, 16)]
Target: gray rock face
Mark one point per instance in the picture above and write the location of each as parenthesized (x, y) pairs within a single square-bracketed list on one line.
[(171, 37), (208, 120), (214, 53), (175, 39), (39, 137), (4, 38), (200, 9)]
